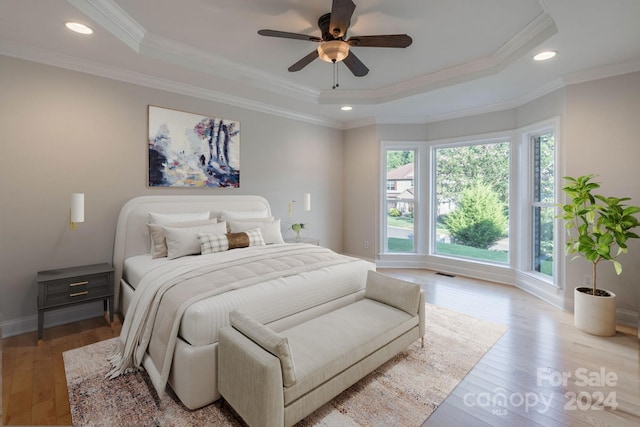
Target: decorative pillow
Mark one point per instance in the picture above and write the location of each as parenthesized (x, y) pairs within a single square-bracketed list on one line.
[(258, 213), (210, 243), (245, 239), (169, 218), (158, 238), (269, 340), (270, 228), (184, 241)]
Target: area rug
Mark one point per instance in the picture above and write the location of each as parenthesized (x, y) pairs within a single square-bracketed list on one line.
[(404, 391)]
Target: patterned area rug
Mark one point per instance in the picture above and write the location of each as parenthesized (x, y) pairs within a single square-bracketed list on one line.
[(404, 391)]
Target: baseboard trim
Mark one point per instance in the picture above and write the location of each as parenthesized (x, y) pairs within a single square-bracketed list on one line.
[(627, 317), (62, 316)]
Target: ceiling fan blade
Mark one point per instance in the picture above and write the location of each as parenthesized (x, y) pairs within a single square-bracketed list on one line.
[(389, 40), (287, 35), (356, 66), (341, 12), (304, 61)]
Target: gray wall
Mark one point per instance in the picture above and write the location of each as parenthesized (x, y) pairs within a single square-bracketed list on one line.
[(600, 133), (63, 132)]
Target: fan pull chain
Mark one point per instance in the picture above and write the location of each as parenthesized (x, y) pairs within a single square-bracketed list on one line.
[(335, 74)]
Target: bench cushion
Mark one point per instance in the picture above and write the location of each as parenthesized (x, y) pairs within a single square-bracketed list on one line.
[(327, 345), (269, 340), (397, 293)]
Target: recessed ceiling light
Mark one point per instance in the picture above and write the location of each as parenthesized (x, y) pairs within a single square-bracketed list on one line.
[(543, 56), (78, 28), (346, 108)]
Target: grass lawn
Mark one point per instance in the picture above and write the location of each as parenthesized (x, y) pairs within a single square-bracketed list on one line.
[(470, 252), (400, 221), (399, 245), (406, 245)]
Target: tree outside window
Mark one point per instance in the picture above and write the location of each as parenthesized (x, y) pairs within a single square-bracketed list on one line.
[(472, 201)]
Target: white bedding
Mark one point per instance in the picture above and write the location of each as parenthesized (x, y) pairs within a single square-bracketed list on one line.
[(137, 266), (267, 302)]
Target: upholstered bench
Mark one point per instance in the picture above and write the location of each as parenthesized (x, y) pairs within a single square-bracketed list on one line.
[(277, 378)]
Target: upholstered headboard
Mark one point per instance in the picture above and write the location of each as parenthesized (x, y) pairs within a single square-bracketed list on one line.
[(132, 236)]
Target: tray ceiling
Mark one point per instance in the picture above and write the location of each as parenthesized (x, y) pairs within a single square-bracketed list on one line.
[(467, 56)]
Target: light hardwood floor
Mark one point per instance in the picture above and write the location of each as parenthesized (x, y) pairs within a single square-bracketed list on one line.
[(539, 346)]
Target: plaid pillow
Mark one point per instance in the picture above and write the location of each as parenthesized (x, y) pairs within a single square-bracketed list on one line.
[(210, 243)]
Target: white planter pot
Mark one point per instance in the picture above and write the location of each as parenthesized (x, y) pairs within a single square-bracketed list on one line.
[(594, 314)]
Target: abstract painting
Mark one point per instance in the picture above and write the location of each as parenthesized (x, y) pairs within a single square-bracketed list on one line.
[(191, 150)]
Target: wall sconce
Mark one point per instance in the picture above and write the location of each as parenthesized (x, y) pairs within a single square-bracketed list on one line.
[(77, 209), (306, 204), (307, 201)]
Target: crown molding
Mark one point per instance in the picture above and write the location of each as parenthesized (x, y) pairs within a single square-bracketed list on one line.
[(199, 60), (114, 19), (458, 114), (34, 54), (607, 71), (570, 79), (539, 92), (536, 32), (611, 70), (43, 56)]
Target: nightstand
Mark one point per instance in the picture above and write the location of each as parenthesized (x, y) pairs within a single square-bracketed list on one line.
[(75, 285), (311, 240)]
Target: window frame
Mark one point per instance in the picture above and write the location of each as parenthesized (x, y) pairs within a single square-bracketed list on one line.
[(419, 227), (501, 137), (527, 203)]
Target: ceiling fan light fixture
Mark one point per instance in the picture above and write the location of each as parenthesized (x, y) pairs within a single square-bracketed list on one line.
[(333, 51)]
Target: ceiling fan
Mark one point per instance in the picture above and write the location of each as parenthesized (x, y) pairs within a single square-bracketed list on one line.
[(333, 45)]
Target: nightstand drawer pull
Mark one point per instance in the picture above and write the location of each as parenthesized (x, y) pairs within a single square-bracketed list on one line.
[(79, 283), (77, 294)]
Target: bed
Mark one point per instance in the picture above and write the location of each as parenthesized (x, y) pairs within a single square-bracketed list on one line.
[(312, 281)]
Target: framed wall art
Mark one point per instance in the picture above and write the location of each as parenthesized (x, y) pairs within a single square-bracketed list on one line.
[(191, 150)]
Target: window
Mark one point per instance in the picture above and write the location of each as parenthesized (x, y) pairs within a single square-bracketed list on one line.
[(400, 200), (542, 202), (488, 199), (472, 201)]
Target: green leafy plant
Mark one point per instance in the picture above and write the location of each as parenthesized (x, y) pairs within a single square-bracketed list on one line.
[(598, 227), (297, 227), (395, 212), (479, 220)]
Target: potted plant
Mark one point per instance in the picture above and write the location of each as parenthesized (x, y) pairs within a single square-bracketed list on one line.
[(598, 230), (298, 227)]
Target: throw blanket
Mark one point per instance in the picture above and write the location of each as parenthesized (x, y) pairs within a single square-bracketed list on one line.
[(164, 294)]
